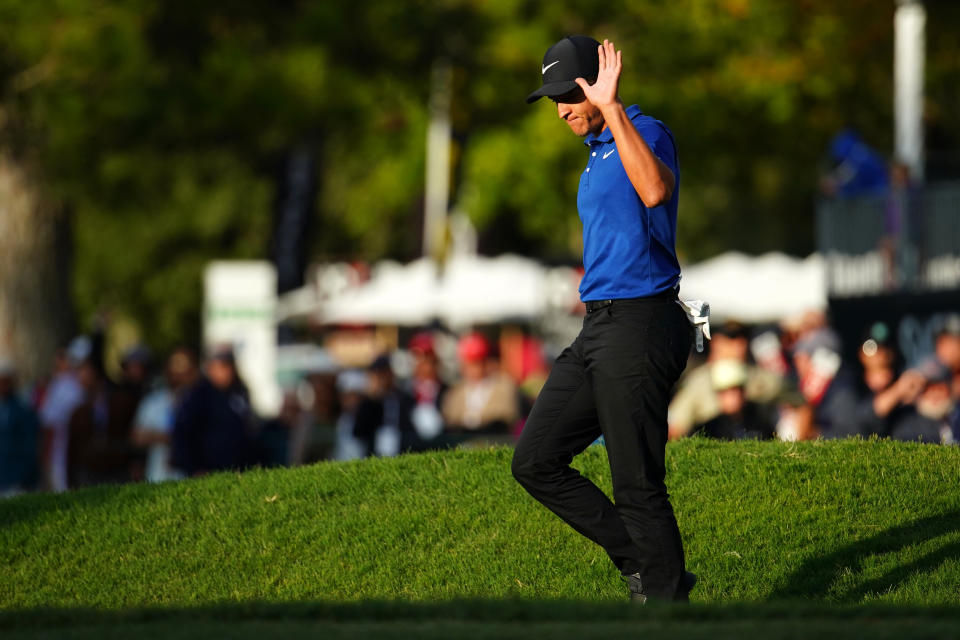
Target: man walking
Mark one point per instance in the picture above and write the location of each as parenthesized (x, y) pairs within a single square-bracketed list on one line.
[(617, 376)]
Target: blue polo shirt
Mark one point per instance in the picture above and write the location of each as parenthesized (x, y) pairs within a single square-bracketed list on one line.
[(629, 251)]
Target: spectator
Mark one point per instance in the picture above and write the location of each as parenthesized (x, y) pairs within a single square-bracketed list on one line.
[(62, 396), (947, 350), (352, 386), (930, 419), (696, 403), (98, 449), (313, 434), (384, 418), (484, 401), (857, 169), (427, 388), (885, 397), (738, 417), (18, 436), (767, 350), (900, 243), (273, 441), (154, 421), (125, 397), (213, 427), (827, 388)]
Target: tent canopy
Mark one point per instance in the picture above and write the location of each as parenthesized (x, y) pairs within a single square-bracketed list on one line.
[(757, 289), (478, 289)]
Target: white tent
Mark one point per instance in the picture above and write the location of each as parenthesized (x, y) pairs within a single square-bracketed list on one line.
[(764, 288), (470, 289), (476, 289), (395, 294)]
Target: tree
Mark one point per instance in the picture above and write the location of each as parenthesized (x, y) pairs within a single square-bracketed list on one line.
[(158, 127)]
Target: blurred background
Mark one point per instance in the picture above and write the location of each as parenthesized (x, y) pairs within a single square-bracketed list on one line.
[(303, 222)]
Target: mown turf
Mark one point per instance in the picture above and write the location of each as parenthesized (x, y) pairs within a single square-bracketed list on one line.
[(832, 523)]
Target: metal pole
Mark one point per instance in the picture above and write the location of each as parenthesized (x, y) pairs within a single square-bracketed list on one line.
[(908, 66), (438, 160)]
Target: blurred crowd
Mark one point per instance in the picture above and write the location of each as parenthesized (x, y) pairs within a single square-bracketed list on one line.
[(182, 417), (794, 383)]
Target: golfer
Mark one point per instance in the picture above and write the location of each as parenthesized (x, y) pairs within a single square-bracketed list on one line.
[(616, 378)]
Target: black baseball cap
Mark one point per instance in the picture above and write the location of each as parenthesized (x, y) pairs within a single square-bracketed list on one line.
[(573, 57)]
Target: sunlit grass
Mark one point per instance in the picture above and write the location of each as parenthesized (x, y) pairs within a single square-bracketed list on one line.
[(851, 523)]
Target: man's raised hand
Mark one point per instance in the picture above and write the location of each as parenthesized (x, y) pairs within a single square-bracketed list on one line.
[(603, 92)]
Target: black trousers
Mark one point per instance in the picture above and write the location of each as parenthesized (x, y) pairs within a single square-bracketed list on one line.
[(616, 380)]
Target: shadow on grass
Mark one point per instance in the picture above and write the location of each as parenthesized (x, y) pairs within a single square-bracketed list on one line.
[(817, 578), (515, 611), (34, 506)]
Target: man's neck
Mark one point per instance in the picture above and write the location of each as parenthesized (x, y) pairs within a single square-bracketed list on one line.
[(598, 128)]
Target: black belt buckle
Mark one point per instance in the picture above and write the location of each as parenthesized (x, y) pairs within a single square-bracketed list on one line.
[(596, 305)]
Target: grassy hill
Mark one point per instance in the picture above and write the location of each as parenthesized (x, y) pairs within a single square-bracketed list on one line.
[(839, 523)]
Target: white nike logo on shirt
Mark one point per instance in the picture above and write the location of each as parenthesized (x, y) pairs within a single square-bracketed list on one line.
[(608, 153), (548, 66)]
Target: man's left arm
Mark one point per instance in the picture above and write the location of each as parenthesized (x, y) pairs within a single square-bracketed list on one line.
[(651, 177)]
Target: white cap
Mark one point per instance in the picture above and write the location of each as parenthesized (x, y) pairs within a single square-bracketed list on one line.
[(728, 374)]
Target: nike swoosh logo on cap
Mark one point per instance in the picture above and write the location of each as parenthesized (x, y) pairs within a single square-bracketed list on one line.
[(548, 66)]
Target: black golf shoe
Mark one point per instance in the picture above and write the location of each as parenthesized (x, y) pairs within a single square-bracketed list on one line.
[(637, 594)]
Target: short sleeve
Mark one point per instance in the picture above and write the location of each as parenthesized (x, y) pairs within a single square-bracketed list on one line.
[(661, 143)]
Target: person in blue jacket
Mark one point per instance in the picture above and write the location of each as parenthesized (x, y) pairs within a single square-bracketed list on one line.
[(214, 427)]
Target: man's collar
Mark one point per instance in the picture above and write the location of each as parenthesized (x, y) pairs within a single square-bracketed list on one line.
[(606, 135)]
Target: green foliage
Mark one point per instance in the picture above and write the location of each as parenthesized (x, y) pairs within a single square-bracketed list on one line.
[(847, 523), (161, 124)]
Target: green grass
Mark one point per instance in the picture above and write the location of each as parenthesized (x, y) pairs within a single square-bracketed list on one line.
[(424, 543)]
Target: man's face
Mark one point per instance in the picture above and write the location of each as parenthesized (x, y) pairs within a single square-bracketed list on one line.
[(948, 350), (878, 378), (731, 400), (381, 381), (724, 347), (473, 370), (580, 114), (424, 366), (221, 373), (135, 372)]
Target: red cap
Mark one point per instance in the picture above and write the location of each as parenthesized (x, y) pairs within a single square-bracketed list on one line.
[(422, 342), (473, 347)]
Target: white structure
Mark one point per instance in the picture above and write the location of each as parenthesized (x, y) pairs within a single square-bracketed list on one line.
[(469, 290), (479, 290), (240, 305), (757, 289), (909, 55), (395, 294)]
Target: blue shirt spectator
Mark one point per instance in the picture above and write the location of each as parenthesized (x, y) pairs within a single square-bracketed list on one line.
[(858, 170), (213, 427)]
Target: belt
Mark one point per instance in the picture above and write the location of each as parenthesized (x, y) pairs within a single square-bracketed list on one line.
[(596, 305)]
